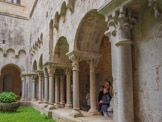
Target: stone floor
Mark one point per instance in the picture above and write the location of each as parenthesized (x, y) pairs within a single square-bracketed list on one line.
[(62, 114)]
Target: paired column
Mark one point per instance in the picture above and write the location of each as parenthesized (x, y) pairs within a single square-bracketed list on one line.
[(57, 91), (68, 95), (93, 110), (124, 66), (46, 87), (62, 103), (76, 109), (23, 88), (33, 85), (51, 71), (40, 76)]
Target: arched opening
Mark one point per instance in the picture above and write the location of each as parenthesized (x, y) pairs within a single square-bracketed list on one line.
[(51, 39), (41, 62), (90, 39), (10, 80), (62, 47), (35, 65)]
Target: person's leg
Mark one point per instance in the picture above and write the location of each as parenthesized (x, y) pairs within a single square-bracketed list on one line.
[(105, 114)]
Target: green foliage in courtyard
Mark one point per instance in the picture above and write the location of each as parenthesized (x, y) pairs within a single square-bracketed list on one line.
[(8, 97), (24, 114)]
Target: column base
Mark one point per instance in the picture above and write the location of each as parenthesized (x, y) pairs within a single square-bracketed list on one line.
[(33, 100), (68, 105), (51, 107), (22, 99), (76, 113), (93, 112), (57, 105), (40, 101), (62, 105)]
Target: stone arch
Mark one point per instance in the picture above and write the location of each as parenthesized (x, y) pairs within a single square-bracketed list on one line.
[(21, 53), (10, 53), (10, 79), (1, 52), (41, 62), (41, 38), (56, 22), (61, 48), (90, 32), (51, 39), (63, 9), (34, 65)]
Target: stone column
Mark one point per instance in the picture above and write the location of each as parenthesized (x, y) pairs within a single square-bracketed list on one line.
[(93, 94), (76, 109), (23, 88), (33, 86), (46, 87), (40, 76), (68, 95), (51, 71), (62, 103), (57, 91), (122, 30)]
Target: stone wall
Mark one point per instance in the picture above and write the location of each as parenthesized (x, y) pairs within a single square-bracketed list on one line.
[(147, 36), (16, 48)]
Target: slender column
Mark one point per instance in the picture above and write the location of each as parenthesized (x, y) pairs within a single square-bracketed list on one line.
[(124, 66), (43, 88), (68, 97), (76, 109), (57, 92), (23, 88), (93, 97), (40, 74), (33, 90), (46, 87), (51, 71), (62, 91)]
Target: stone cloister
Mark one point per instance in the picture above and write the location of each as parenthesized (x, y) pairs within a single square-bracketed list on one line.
[(47, 47)]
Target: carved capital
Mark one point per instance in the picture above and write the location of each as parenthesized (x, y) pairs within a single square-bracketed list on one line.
[(93, 64), (121, 20), (40, 73), (75, 62), (51, 69), (34, 77), (157, 6)]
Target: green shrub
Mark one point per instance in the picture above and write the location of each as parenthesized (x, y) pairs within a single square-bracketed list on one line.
[(8, 97)]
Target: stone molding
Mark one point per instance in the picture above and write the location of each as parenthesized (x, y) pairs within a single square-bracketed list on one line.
[(71, 5), (80, 55)]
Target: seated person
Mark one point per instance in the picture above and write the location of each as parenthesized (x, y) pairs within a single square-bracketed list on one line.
[(105, 102)]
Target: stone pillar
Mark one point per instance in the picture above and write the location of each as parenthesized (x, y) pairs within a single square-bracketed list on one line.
[(62, 103), (93, 95), (46, 87), (23, 88), (57, 91), (40, 76), (76, 109), (122, 30), (33, 86), (51, 71), (68, 95)]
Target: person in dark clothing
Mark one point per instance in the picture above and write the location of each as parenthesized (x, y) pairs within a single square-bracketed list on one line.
[(100, 97), (100, 93), (105, 102)]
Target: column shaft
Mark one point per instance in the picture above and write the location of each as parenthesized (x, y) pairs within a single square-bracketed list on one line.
[(40, 88), (62, 90), (46, 90), (57, 92), (68, 95), (33, 91), (23, 89), (51, 89)]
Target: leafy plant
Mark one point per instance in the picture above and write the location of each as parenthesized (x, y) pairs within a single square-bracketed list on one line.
[(8, 97)]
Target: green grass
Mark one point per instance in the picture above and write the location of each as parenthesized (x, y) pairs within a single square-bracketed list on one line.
[(24, 114)]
